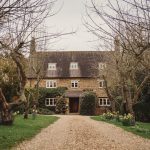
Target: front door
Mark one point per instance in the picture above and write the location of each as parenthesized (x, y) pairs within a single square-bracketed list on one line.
[(74, 105)]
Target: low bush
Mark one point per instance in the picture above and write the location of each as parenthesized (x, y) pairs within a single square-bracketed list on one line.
[(108, 115), (61, 107), (127, 120)]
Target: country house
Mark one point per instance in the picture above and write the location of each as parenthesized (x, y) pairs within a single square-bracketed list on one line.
[(76, 70)]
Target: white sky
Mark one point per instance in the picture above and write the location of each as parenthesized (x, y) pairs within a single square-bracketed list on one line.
[(70, 18)]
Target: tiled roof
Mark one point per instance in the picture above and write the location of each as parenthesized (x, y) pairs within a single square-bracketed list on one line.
[(87, 62)]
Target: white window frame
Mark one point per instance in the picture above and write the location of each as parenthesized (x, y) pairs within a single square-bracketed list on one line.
[(105, 101), (51, 102), (51, 66), (101, 66), (74, 83), (102, 84), (74, 65), (51, 84)]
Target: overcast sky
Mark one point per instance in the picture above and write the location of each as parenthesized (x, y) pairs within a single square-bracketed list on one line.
[(70, 18)]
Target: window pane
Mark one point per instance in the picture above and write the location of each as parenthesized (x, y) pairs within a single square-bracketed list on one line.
[(104, 100), (76, 84), (108, 102), (54, 102), (51, 66), (54, 84), (101, 101), (100, 84), (51, 101), (47, 102), (73, 65), (72, 84)]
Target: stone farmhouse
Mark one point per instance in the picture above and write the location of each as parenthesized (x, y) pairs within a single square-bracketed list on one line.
[(76, 70)]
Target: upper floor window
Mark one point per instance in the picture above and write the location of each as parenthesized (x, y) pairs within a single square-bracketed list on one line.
[(51, 66), (104, 101), (51, 84), (101, 83), (73, 65), (102, 66), (74, 84), (50, 102)]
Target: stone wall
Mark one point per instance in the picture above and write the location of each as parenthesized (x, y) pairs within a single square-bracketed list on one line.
[(83, 83)]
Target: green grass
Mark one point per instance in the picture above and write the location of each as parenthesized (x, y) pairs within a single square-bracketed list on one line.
[(23, 129), (141, 129)]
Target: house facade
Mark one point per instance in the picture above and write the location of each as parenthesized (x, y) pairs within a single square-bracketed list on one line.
[(76, 70)]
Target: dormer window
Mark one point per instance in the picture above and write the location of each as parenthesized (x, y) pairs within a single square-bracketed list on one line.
[(51, 66), (73, 65), (102, 66)]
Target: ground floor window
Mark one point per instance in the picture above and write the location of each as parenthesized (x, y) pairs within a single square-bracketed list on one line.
[(104, 101), (50, 102)]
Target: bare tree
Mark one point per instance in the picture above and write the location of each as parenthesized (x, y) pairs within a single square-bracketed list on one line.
[(127, 23), (18, 20)]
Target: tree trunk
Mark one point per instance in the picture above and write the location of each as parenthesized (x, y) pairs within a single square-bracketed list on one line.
[(126, 98), (20, 62), (27, 107), (113, 108), (5, 112), (37, 88)]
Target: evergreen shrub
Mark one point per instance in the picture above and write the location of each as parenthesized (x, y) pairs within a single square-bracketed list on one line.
[(88, 103)]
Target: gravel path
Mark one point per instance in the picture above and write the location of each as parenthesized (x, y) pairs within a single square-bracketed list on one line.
[(83, 133)]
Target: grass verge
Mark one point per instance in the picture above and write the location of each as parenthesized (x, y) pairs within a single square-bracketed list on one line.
[(141, 129), (23, 129)]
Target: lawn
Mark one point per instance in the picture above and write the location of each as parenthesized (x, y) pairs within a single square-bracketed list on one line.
[(23, 129), (141, 129)]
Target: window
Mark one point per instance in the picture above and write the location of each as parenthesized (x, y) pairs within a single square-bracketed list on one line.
[(73, 65), (101, 83), (104, 102), (50, 102), (101, 66), (51, 66), (51, 84), (74, 84)]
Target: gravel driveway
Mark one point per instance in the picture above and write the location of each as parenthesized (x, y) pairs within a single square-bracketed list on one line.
[(82, 133)]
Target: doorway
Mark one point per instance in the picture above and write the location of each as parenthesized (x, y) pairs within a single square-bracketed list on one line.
[(74, 105)]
